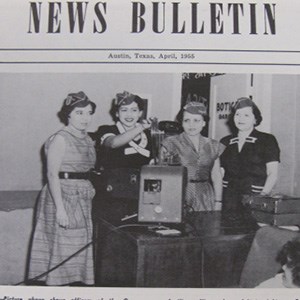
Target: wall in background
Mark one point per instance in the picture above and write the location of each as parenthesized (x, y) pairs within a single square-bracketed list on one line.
[(277, 96), (29, 106), (285, 108)]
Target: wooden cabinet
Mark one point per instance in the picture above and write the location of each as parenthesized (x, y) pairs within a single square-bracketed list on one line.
[(210, 253)]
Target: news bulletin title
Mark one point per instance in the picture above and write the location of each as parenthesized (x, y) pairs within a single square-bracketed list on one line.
[(197, 17)]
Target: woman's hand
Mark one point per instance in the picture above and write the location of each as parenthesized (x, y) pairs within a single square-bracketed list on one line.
[(218, 205), (62, 218), (54, 158), (146, 123), (119, 140), (272, 175), (216, 177)]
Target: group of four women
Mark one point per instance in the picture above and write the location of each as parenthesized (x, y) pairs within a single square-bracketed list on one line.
[(246, 162)]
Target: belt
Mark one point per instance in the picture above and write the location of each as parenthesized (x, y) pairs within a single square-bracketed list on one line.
[(198, 180), (77, 175)]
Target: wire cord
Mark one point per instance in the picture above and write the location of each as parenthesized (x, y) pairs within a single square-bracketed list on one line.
[(71, 256), (57, 266)]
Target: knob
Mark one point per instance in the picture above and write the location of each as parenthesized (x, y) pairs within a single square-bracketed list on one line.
[(158, 209)]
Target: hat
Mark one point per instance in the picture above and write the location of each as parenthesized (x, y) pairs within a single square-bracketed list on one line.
[(72, 101), (127, 98), (244, 102), (196, 108), (75, 98), (124, 98)]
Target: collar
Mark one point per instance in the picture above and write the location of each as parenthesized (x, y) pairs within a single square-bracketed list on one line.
[(202, 141), (134, 147), (249, 139), (77, 133)]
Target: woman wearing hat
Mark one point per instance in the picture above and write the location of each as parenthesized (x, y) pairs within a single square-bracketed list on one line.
[(251, 158), (127, 144), (201, 157), (122, 149), (63, 221)]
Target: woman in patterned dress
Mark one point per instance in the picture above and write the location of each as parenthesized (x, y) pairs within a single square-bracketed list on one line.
[(63, 220), (200, 155)]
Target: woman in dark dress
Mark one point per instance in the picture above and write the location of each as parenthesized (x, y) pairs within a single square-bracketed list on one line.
[(251, 158), (125, 145)]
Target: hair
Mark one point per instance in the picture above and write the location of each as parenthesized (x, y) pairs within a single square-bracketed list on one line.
[(66, 109), (179, 117), (255, 110), (115, 107), (290, 255)]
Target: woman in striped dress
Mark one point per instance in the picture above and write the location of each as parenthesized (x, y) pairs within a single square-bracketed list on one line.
[(63, 222), (200, 155)]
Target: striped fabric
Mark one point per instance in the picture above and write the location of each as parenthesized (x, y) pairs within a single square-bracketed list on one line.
[(256, 188), (199, 194), (52, 244)]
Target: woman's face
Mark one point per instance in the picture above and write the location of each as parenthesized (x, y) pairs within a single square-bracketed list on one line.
[(129, 114), (244, 119), (80, 117), (192, 123)]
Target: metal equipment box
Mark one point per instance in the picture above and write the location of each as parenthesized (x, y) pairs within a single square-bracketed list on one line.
[(162, 189)]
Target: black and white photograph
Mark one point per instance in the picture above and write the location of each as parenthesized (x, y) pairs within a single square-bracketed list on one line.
[(170, 180), (149, 150)]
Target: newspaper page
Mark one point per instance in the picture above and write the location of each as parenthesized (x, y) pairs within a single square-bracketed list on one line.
[(169, 53)]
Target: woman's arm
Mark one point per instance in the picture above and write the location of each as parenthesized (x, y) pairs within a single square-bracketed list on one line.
[(54, 158), (116, 141), (216, 177), (272, 175)]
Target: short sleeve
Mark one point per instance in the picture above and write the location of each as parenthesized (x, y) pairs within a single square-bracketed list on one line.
[(271, 149), (103, 132)]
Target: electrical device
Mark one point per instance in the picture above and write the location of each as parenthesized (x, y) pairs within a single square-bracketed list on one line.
[(162, 189), (162, 186)]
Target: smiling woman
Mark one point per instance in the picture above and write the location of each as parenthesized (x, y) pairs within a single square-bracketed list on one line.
[(127, 144), (250, 160), (122, 149)]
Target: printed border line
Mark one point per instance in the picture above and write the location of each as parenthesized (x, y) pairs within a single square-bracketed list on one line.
[(149, 49), (148, 63)]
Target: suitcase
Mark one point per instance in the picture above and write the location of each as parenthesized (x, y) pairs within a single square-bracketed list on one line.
[(276, 219), (274, 205), (276, 210)]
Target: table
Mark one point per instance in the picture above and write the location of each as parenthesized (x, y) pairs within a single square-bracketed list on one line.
[(210, 253)]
